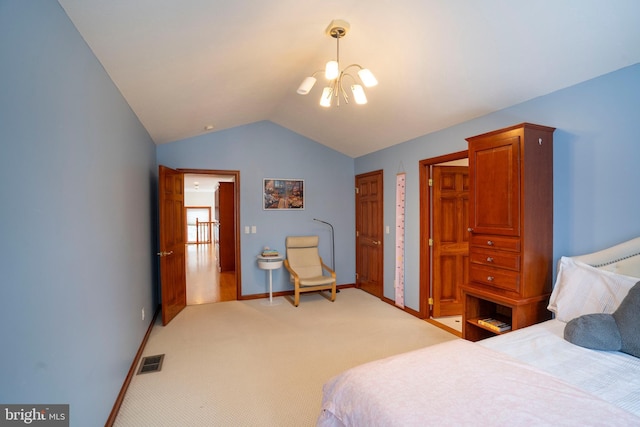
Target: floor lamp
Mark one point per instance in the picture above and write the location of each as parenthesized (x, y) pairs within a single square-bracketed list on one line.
[(333, 246)]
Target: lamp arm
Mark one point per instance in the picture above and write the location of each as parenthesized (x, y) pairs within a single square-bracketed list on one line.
[(345, 74), (355, 80), (368, 79), (354, 65), (344, 92), (333, 245)]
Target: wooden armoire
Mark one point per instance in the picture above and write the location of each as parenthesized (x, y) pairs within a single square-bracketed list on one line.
[(511, 228)]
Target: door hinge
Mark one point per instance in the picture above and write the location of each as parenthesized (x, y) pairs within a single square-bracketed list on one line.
[(357, 276), (430, 242), (357, 190), (357, 233), (430, 182), (430, 301)]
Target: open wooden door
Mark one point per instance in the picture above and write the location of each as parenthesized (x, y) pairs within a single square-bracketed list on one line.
[(173, 278), (369, 233), (450, 238)]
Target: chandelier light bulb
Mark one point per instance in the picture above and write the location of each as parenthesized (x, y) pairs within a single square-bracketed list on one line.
[(367, 77), (358, 94), (332, 70), (325, 99), (306, 85)]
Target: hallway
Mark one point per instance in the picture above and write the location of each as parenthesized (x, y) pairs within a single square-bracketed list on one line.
[(205, 284)]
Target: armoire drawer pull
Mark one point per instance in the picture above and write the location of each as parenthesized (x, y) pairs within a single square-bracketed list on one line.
[(490, 242), (490, 278), (489, 259)]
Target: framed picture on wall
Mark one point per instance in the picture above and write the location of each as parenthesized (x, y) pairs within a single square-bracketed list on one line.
[(281, 194)]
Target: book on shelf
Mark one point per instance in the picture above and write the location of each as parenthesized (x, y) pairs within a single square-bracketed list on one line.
[(494, 324), (270, 253)]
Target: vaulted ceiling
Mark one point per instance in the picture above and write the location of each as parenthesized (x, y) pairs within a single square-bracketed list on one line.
[(185, 64)]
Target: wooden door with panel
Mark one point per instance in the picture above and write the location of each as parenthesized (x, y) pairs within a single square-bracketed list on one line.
[(369, 233), (173, 279), (450, 246)]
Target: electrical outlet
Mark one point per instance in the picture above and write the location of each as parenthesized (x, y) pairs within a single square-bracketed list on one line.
[(142, 313)]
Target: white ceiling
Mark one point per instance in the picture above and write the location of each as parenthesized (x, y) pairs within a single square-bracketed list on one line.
[(185, 64)]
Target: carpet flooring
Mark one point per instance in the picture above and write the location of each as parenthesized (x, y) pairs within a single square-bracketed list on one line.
[(244, 363)]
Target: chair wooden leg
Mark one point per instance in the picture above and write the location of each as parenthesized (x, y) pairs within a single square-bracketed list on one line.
[(333, 293), (296, 299)]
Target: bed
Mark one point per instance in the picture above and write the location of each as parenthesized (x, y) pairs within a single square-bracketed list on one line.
[(531, 376)]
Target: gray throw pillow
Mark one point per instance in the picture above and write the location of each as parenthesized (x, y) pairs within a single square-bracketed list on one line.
[(627, 318), (597, 331), (612, 332)]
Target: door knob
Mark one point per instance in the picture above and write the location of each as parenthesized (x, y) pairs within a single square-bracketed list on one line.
[(163, 253)]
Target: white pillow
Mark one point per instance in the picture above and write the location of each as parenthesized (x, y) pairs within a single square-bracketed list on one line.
[(583, 289)]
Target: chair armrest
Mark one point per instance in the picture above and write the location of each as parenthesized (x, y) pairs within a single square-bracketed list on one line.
[(326, 267)]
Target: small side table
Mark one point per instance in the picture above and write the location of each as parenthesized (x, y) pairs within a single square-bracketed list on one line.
[(270, 263)]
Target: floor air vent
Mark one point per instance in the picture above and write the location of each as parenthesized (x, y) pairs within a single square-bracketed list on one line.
[(151, 364)]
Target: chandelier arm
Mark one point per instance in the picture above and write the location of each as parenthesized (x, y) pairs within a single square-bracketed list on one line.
[(335, 90), (353, 65), (342, 91), (360, 68), (345, 74)]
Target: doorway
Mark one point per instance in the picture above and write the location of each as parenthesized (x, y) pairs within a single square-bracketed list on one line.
[(210, 202), (444, 246)]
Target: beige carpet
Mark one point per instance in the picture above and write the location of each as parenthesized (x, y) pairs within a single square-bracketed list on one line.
[(242, 363)]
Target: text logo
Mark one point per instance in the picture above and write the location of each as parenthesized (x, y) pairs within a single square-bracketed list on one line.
[(34, 415)]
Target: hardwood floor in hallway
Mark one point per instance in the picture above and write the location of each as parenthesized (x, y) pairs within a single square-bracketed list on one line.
[(205, 283)]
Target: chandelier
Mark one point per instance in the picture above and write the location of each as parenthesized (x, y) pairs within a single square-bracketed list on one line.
[(337, 78)]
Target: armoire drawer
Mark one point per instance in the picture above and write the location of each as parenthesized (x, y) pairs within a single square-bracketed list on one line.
[(496, 242), (508, 260), (494, 277)]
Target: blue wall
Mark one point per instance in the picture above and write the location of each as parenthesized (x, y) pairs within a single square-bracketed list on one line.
[(596, 173), (266, 150), (77, 197)]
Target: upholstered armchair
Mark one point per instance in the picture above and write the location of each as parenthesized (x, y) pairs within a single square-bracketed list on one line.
[(306, 267)]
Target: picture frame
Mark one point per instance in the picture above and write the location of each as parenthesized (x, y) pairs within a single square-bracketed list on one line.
[(282, 194)]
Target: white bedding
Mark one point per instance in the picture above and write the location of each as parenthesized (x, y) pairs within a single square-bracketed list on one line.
[(459, 383), (613, 376)]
